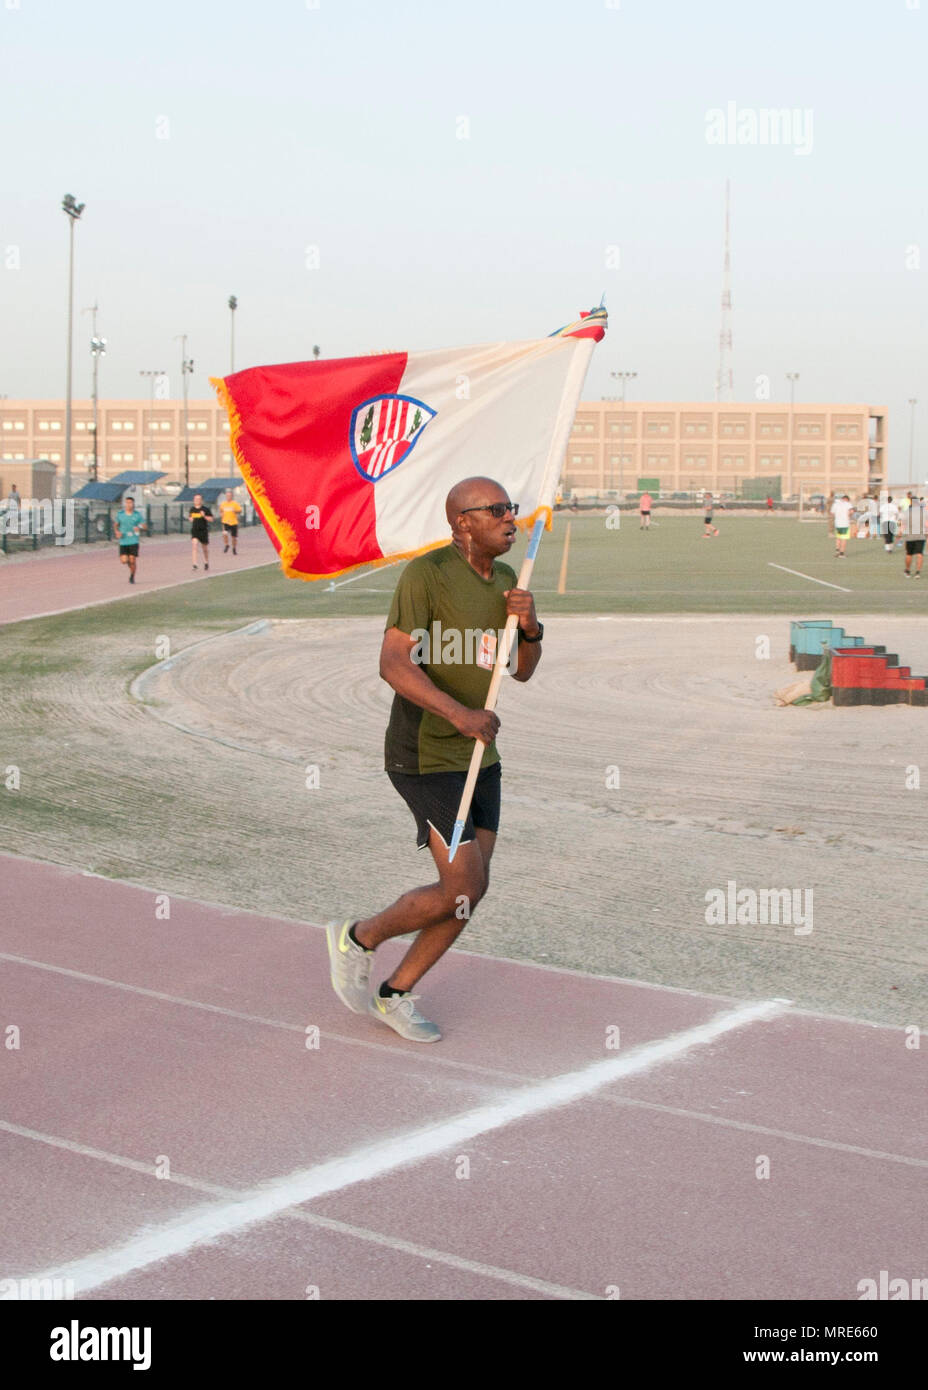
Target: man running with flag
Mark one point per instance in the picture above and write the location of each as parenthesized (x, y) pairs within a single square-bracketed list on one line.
[(437, 712), (349, 464)]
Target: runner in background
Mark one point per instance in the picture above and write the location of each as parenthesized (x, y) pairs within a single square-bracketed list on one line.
[(915, 531), (644, 507), (841, 510), (229, 512), (200, 518), (128, 525), (889, 522), (711, 530)]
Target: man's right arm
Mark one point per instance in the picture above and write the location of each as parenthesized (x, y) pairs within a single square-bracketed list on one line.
[(409, 680)]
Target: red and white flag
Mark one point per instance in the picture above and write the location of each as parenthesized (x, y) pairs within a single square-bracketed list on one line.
[(349, 461)]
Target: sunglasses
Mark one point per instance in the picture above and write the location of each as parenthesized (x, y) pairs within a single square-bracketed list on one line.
[(496, 509)]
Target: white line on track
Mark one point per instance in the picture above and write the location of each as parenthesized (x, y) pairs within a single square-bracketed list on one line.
[(272, 1199), (327, 1223), (810, 577), (140, 592), (726, 1122), (366, 574), (178, 999)]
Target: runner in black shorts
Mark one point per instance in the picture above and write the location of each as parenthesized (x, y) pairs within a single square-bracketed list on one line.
[(710, 530), (200, 518), (437, 714), (914, 528)]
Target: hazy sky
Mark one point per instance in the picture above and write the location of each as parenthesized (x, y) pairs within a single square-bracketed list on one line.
[(308, 159)]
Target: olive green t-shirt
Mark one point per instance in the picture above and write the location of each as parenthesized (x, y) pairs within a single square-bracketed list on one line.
[(448, 607)]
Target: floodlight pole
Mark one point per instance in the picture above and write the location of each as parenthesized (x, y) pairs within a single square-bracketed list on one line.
[(624, 377), (151, 403), (186, 367), (233, 305), (792, 378), (73, 210), (97, 349)]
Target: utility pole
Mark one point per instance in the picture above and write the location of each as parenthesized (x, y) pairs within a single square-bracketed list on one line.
[(152, 377), (792, 378), (233, 305), (913, 402), (97, 350), (724, 381), (186, 367), (73, 210), (625, 378)]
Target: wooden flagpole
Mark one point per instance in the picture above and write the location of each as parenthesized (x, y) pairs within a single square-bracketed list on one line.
[(572, 388), (502, 660)]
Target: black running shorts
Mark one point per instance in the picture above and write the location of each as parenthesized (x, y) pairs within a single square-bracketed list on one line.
[(128, 550), (434, 798), (231, 528), (915, 547)]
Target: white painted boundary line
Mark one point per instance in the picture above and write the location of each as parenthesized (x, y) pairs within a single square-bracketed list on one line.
[(365, 574), (211, 1223), (326, 1223), (136, 593), (810, 577)]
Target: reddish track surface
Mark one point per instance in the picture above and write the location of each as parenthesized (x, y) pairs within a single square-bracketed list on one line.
[(32, 586), (143, 1039)]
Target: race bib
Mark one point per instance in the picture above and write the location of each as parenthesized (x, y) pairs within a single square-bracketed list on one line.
[(486, 656)]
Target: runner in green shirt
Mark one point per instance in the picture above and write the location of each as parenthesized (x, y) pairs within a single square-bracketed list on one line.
[(438, 653), (128, 525)]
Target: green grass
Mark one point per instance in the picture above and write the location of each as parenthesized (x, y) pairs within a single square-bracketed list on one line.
[(670, 569)]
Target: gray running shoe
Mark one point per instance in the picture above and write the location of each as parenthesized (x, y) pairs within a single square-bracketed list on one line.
[(399, 1012), (351, 967)]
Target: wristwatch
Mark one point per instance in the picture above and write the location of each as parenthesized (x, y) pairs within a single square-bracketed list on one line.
[(538, 635)]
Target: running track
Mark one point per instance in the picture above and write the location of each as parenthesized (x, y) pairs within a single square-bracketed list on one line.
[(520, 1158), (57, 581)]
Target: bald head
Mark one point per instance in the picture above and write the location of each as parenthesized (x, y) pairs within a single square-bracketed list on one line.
[(471, 492)]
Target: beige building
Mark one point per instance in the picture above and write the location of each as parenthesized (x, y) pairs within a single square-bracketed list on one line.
[(671, 447), (131, 434), (675, 447)]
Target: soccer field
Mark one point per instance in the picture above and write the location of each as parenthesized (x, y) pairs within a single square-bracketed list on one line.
[(670, 569)]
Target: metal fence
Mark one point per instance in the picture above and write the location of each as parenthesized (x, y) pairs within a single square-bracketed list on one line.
[(59, 523)]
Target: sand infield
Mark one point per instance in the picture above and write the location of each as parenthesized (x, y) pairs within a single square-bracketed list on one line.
[(715, 785)]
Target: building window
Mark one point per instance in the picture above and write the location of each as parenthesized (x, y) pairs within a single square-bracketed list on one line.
[(79, 425), (117, 424), (43, 425), (128, 424)]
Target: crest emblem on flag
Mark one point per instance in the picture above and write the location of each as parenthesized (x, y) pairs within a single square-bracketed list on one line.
[(384, 430)]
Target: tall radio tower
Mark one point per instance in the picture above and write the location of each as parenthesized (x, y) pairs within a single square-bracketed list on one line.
[(724, 382)]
